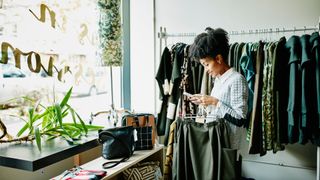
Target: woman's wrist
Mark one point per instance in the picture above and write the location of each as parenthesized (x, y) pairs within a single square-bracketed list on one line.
[(215, 101), (218, 104)]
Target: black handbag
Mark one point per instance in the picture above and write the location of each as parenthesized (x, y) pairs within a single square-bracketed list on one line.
[(116, 143)]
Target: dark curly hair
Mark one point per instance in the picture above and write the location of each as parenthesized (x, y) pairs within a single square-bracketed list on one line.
[(210, 44)]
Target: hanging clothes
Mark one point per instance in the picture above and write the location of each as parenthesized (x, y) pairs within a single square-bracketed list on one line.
[(315, 55), (255, 135), (167, 172), (267, 97), (307, 90), (175, 91), (163, 78), (247, 69), (177, 73), (231, 54), (293, 47), (280, 94)]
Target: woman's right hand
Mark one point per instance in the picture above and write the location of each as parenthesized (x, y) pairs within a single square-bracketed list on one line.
[(205, 100), (196, 98)]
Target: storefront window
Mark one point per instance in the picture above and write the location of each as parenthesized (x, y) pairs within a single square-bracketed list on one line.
[(47, 47)]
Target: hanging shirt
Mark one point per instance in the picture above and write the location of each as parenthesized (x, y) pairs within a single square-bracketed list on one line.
[(231, 89), (246, 64)]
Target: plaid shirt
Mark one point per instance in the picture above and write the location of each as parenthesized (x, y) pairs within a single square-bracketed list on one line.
[(231, 89)]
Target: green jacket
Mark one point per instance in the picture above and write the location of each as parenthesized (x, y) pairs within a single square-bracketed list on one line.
[(315, 55), (293, 47)]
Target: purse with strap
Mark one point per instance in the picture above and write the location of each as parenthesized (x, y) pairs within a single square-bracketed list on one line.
[(116, 143)]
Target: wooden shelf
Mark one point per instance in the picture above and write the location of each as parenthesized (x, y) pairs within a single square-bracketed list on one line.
[(156, 154)]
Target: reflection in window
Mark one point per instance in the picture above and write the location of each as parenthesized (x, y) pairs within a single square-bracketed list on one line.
[(72, 41)]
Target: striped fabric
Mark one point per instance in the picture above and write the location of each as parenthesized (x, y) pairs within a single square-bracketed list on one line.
[(167, 172), (143, 171)]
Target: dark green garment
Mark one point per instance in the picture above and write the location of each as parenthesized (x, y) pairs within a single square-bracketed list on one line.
[(235, 56), (307, 82), (238, 53), (161, 119), (231, 54), (280, 90), (202, 151), (308, 93), (315, 55), (293, 48), (246, 64)]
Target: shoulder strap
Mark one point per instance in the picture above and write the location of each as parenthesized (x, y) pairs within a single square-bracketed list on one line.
[(111, 164)]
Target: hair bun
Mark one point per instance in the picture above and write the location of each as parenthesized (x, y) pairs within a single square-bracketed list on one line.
[(209, 29)]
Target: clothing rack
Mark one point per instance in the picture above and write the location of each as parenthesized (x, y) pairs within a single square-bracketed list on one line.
[(163, 35)]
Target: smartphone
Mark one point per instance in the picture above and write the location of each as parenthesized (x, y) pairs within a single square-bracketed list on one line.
[(187, 94)]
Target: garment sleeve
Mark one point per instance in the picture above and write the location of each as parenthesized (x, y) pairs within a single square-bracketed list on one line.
[(164, 73), (237, 110)]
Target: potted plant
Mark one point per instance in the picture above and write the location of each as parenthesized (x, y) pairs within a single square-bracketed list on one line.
[(49, 122)]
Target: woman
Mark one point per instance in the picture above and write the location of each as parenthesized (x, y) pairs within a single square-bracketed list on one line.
[(228, 98)]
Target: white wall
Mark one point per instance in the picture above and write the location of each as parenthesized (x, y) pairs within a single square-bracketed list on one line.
[(297, 161), (142, 56)]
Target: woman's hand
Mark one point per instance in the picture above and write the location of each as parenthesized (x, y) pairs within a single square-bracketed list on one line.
[(203, 99)]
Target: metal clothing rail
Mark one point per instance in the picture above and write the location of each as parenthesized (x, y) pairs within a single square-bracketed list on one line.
[(276, 30), (164, 35)]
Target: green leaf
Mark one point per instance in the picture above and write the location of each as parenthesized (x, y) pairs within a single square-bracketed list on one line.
[(45, 122), (31, 111), (51, 137), (76, 135), (38, 138), (23, 129), (70, 140), (66, 98), (71, 127), (82, 123), (89, 127), (73, 117), (83, 127), (58, 114), (45, 113)]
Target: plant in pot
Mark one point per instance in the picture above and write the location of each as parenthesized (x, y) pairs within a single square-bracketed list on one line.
[(49, 122)]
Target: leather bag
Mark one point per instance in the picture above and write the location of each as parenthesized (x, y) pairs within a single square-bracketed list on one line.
[(116, 143)]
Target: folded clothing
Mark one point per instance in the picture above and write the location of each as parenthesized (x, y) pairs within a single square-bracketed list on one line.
[(77, 173)]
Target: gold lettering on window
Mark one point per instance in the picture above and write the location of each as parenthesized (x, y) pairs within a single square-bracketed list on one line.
[(42, 18), (32, 67)]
